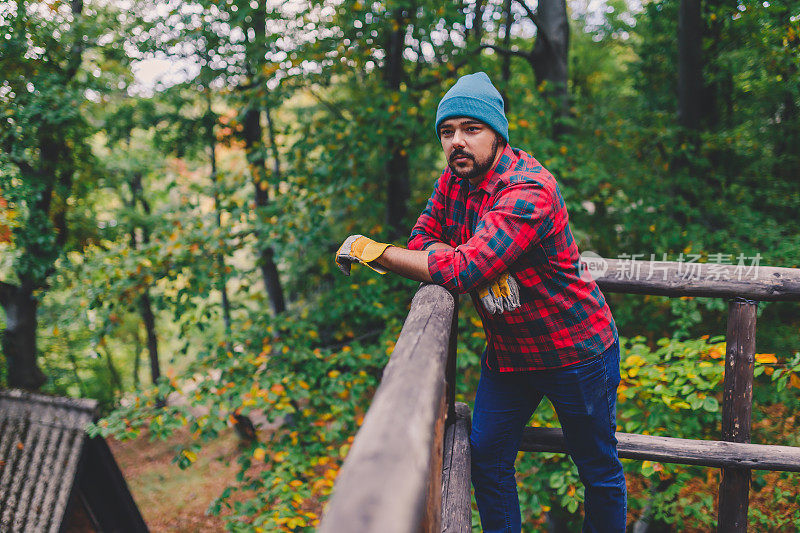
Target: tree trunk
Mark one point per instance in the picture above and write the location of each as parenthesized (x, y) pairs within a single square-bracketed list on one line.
[(398, 188), (253, 137), (223, 275), (477, 23), (505, 68), (137, 357), (690, 65), (149, 320), (273, 145), (145, 306), (112, 369), (254, 148), (54, 170), (549, 59), (19, 337)]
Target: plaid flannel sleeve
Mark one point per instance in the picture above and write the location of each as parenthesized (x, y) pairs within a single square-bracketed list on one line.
[(521, 216), (428, 229)]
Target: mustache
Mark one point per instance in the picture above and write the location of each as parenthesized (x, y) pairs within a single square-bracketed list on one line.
[(460, 153)]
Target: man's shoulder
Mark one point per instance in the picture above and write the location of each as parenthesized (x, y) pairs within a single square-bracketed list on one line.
[(525, 169)]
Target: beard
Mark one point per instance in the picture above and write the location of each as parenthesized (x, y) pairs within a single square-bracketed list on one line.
[(479, 167)]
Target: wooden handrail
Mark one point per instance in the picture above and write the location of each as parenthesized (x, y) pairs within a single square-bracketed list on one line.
[(713, 453), (391, 479), (673, 278)]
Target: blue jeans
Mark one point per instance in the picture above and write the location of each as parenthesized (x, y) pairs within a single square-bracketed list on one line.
[(584, 396)]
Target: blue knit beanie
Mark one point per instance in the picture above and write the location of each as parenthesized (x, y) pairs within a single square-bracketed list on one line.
[(474, 96)]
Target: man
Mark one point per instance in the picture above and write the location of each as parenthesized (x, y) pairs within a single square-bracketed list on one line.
[(496, 219)]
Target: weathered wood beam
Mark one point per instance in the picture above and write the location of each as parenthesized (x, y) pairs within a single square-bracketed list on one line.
[(713, 453), (456, 477), (737, 406), (673, 278), (383, 486)]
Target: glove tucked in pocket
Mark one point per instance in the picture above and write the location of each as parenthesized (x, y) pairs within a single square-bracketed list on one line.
[(500, 295)]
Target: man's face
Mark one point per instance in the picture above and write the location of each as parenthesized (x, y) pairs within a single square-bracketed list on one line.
[(470, 147)]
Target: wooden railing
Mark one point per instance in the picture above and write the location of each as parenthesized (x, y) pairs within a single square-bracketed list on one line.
[(414, 432), (391, 479)]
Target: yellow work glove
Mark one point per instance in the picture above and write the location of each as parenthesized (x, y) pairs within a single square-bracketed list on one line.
[(500, 295), (357, 248)]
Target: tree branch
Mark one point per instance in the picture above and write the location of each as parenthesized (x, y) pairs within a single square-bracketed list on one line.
[(533, 18), (336, 110), (507, 52), (75, 55), (430, 83)]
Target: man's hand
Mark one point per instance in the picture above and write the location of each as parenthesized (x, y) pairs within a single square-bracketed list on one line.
[(357, 248), (500, 295)]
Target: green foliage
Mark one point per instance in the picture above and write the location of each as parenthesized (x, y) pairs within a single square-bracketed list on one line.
[(317, 391)]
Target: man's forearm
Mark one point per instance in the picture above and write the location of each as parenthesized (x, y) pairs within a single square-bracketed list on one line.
[(412, 264), (439, 246)]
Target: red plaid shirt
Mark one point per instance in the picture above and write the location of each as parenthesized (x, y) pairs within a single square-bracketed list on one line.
[(516, 221)]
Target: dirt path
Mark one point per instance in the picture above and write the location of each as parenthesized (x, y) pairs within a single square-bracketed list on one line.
[(172, 499)]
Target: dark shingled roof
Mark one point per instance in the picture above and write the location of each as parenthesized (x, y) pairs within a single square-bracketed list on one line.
[(45, 455)]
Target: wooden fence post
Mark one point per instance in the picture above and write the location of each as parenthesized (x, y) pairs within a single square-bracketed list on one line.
[(451, 369), (737, 404), (433, 515)]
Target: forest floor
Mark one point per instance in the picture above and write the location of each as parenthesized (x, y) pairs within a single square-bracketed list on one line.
[(175, 500), (172, 499)]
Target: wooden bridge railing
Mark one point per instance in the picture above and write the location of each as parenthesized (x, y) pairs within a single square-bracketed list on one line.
[(413, 431), (391, 479)]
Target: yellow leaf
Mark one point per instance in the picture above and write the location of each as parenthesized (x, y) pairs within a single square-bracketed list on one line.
[(766, 358), (190, 455), (634, 360), (794, 381)]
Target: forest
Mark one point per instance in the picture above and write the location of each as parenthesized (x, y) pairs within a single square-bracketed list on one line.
[(167, 247)]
